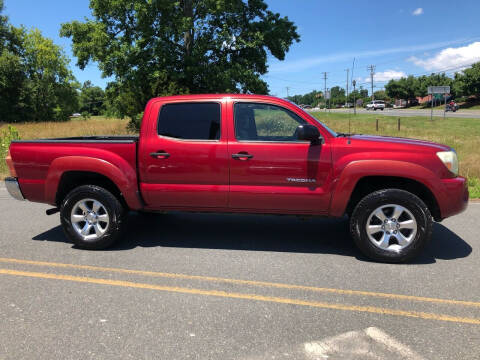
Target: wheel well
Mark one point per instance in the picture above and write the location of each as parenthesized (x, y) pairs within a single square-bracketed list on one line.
[(73, 179), (369, 184)]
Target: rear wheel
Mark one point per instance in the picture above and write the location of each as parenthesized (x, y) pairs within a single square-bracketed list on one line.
[(391, 225), (92, 218)]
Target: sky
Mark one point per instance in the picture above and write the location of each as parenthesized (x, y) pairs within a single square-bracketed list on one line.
[(398, 37)]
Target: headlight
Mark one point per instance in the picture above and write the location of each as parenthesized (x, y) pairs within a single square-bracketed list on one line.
[(449, 158)]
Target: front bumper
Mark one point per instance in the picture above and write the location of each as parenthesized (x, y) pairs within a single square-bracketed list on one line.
[(455, 196), (13, 188)]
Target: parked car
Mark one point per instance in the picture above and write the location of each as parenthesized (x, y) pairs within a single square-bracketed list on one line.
[(376, 105), (242, 154)]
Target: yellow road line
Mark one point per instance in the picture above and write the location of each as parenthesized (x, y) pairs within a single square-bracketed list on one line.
[(242, 282), (224, 294)]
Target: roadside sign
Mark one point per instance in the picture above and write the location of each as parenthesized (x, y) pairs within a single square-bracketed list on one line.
[(438, 90), (327, 95)]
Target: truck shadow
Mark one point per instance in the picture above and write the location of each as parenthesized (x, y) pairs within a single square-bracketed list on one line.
[(259, 233)]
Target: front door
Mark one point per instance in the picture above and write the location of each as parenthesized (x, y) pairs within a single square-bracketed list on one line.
[(270, 170), (184, 160)]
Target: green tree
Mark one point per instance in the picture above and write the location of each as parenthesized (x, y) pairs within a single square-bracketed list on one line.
[(14, 99), (468, 82), (380, 95), (337, 95), (404, 88), (312, 98), (423, 82), (50, 79), (161, 47), (35, 81), (12, 74), (92, 99)]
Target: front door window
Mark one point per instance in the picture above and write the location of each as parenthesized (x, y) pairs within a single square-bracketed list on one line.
[(264, 122)]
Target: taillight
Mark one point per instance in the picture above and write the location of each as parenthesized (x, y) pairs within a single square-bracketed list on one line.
[(9, 161)]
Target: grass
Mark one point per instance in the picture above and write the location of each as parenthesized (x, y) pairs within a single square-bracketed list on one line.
[(474, 187), (461, 134), (96, 125)]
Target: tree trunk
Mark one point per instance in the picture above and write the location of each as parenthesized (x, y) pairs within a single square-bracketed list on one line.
[(188, 36)]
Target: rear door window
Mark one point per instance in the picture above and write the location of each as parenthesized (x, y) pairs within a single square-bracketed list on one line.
[(193, 121)]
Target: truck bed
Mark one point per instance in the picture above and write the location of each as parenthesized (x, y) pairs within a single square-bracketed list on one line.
[(88, 139), (39, 163)]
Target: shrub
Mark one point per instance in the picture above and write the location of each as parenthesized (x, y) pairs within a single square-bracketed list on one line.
[(6, 137), (85, 115)]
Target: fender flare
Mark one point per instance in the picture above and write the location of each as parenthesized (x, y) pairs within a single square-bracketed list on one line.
[(121, 174), (356, 170)]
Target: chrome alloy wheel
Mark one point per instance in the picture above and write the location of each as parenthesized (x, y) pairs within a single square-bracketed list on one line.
[(89, 219), (391, 227)]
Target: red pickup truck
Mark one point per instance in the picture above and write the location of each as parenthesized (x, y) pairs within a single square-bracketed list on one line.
[(243, 154)]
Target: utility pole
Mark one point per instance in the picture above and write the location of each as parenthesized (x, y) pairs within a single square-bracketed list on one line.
[(354, 83), (354, 100), (288, 88), (372, 72), (325, 89), (329, 100), (346, 95)]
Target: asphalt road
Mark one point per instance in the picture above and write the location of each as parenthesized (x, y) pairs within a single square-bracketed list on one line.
[(473, 114), (196, 286)]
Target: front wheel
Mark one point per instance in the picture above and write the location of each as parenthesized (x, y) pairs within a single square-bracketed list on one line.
[(391, 225), (92, 217)]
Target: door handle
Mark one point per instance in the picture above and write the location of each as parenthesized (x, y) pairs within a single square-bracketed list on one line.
[(242, 156), (160, 155)]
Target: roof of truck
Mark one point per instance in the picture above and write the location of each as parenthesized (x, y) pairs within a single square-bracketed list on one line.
[(216, 96)]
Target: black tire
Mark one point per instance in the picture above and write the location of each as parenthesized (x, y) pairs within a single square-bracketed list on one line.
[(373, 201), (114, 210)]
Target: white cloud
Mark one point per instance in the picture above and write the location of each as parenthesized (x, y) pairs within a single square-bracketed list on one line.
[(417, 12), (307, 63), (450, 58), (386, 75)]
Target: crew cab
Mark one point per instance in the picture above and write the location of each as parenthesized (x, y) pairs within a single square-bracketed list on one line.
[(376, 105), (242, 154)]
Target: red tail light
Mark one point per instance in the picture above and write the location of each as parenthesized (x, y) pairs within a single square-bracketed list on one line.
[(9, 161)]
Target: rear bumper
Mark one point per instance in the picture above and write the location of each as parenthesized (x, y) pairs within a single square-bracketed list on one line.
[(13, 188), (455, 196)]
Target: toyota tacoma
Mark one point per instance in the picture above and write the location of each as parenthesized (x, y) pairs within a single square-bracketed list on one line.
[(242, 154)]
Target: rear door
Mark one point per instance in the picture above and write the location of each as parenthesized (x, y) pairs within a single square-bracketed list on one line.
[(270, 170), (184, 159)]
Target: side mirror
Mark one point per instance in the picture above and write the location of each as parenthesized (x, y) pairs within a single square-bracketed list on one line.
[(309, 133)]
